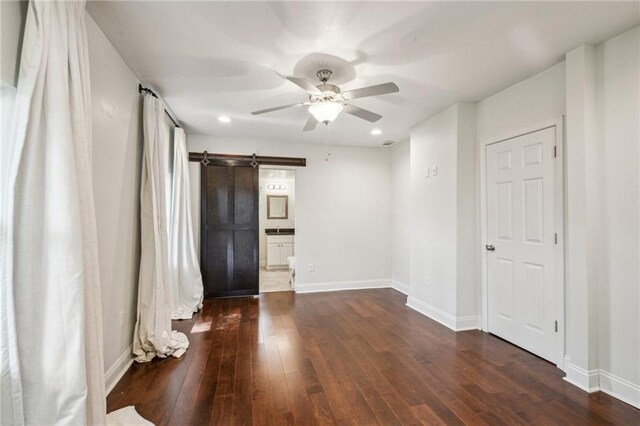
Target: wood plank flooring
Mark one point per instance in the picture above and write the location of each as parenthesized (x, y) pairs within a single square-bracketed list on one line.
[(351, 357)]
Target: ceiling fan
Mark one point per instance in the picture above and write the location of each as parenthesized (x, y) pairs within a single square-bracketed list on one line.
[(327, 101)]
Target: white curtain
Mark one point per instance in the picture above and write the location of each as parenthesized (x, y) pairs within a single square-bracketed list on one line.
[(185, 268), (153, 335), (51, 336)]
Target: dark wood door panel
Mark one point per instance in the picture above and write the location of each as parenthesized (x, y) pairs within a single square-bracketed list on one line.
[(229, 229), (217, 188), (245, 257), (245, 199), (215, 264)]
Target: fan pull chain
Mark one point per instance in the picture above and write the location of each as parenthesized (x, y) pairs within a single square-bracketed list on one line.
[(326, 143)]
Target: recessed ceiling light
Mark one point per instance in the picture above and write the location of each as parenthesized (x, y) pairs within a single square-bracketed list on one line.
[(224, 119), (376, 132)]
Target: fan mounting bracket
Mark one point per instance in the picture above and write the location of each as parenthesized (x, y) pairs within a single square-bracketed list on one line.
[(324, 75)]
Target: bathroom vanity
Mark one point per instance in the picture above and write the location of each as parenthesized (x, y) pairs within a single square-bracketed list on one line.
[(280, 246)]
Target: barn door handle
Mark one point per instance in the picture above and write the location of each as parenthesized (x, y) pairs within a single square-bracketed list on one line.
[(490, 247)]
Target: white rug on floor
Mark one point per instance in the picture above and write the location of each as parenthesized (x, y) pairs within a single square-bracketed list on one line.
[(127, 416)]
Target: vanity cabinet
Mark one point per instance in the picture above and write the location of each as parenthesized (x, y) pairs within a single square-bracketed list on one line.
[(279, 248)]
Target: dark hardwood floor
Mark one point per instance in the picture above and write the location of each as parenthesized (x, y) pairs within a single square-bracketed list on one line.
[(351, 357)]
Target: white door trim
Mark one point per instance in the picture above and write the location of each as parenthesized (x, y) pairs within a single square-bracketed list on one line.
[(559, 253)]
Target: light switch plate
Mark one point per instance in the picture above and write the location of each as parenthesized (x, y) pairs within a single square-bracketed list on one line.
[(427, 172)]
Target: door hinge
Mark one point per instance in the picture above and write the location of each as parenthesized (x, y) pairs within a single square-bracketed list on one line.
[(555, 151), (556, 326), (555, 238)]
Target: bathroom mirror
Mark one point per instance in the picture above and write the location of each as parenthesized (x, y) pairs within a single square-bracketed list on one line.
[(277, 206)]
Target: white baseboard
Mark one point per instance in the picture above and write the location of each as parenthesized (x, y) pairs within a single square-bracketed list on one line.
[(600, 380), (470, 322), (400, 286), (117, 370), (341, 285), (587, 380), (444, 318), (620, 388)]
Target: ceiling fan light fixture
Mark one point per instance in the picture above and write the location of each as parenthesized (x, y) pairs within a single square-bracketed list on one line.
[(327, 101), (325, 112)]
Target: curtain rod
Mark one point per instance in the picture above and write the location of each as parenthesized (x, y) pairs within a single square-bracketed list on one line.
[(149, 91)]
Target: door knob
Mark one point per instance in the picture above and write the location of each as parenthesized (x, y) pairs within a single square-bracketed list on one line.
[(490, 247)]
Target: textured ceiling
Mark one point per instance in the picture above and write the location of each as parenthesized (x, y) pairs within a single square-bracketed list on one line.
[(213, 58)]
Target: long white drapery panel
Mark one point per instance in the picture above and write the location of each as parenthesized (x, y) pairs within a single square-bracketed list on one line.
[(185, 268), (153, 335), (52, 358)]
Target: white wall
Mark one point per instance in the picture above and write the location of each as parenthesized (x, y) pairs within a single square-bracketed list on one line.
[(342, 209), (12, 19), (433, 212), (117, 160), (12, 16), (443, 278), (400, 215), (468, 294), (618, 116), (583, 194), (599, 91), (532, 101), (289, 222), (445, 249), (7, 102), (603, 193)]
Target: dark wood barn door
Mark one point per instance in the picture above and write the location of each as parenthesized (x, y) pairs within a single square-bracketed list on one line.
[(229, 228)]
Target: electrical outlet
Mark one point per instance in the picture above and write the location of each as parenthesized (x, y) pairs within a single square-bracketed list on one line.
[(121, 319), (311, 267), (434, 171)]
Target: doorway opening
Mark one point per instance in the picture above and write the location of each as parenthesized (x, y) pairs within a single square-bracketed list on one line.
[(277, 229), (230, 233)]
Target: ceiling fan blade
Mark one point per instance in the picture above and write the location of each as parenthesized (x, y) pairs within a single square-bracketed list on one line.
[(371, 117), (363, 92), (305, 84), (311, 124), (263, 111)]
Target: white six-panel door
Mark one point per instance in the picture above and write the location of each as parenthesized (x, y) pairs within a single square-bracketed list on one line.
[(520, 242)]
